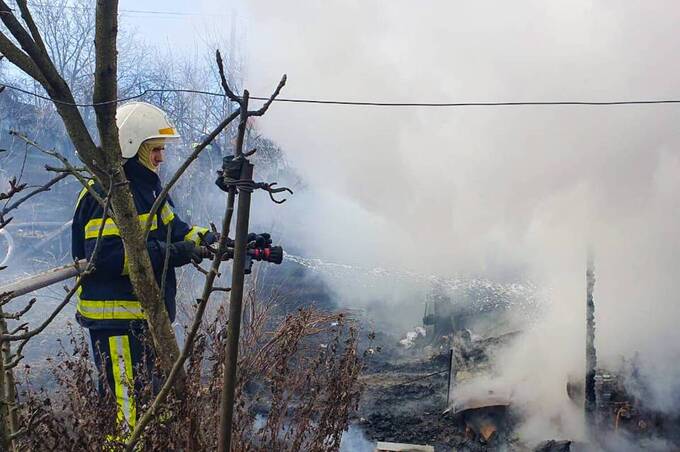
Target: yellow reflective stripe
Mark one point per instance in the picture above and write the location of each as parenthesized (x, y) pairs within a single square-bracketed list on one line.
[(167, 215), (167, 131), (144, 217), (92, 228), (84, 191), (126, 265), (121, 361), (109, 309), (110, 228), (195, 233)]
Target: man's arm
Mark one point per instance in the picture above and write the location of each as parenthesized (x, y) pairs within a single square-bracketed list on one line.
[(183, 231)]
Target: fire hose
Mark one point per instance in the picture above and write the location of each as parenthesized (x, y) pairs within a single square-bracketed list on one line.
[(7, 238), (257, 251)]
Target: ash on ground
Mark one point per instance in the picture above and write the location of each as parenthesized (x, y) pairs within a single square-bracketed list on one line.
[(407, 392)]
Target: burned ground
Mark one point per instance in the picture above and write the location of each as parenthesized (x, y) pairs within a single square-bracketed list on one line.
[(405, 400)]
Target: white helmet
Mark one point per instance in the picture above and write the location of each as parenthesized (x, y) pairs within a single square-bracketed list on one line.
[(138, 122)]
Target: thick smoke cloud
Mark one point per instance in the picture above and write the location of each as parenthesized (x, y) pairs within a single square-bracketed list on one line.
[(500, 191)]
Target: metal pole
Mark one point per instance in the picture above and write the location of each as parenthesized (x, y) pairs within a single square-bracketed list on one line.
[(236, 294)]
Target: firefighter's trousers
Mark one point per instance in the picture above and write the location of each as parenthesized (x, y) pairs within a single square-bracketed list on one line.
[(127, 358)]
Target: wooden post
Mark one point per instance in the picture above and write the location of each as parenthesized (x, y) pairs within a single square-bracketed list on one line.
[(236, 294), (591, 356)]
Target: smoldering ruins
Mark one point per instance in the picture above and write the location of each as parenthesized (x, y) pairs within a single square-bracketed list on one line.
[(442, 386)]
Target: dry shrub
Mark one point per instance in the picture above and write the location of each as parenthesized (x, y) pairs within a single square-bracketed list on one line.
[(71, 415), (297, 389)]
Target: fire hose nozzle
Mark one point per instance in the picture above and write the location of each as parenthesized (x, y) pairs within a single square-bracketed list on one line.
[(273, 254)]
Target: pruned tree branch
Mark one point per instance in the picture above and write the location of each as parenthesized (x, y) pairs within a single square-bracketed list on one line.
[(69, 168), (271, 99), (43, 188), (17, 315), (225, 86)]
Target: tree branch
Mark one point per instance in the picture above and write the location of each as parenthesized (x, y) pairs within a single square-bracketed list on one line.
[(225, 86), (17, 315), (23, 38), (21, 60), (41, 189), (105, 78), (88, 269), (41, 68), (28, 19), (266, 105), (69, 167)]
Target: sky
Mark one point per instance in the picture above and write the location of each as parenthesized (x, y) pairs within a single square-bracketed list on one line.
[(502, 192)]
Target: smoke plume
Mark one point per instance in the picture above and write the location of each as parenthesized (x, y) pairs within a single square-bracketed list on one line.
[(504, 192)]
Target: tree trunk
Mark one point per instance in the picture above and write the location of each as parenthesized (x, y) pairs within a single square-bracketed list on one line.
[(143, 279), (8, 397)]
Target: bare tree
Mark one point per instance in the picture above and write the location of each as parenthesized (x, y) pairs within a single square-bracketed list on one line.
[(17, 194), (23, 44)]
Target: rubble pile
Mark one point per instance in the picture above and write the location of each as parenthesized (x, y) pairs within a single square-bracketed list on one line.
[(407, 390)]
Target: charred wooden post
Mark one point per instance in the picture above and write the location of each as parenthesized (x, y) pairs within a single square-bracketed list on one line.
[(591, 357), (452, 376)]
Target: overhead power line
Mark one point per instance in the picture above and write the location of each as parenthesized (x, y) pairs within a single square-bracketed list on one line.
[(132, 11), (363, 103)]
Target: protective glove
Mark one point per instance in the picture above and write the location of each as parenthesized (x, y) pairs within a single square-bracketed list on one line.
[(259, 240), (181, 253), (210, 237)]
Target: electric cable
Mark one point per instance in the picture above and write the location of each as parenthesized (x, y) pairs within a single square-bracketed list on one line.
[(361, 103), (131, 11)]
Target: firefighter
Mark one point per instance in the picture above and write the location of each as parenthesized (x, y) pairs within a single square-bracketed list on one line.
[(107, 305)]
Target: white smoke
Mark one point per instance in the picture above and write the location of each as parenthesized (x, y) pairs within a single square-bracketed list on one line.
[(498, 192)]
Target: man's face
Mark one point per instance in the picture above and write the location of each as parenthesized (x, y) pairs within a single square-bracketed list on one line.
[(156, 156)]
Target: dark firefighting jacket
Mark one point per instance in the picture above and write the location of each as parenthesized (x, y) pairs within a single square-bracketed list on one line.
[(106, 299)]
